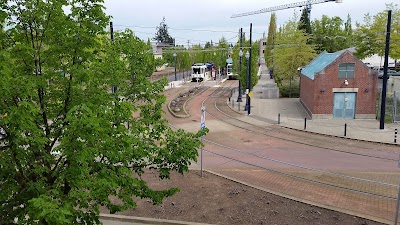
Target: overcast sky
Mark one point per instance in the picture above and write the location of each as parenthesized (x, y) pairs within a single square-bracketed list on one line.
[(205, 20)]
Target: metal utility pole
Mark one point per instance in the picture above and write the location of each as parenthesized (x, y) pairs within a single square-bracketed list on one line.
[(239, 99), (249, 87), (385, 76), (175, 78)]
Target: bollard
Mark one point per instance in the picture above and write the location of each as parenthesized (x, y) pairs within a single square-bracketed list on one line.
[(345, 129), (279, 118), (395, 135), (305, 123)]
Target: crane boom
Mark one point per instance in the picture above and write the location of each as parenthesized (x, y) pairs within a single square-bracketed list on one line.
[(286, 6)]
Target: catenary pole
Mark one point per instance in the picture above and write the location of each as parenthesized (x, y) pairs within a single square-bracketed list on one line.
[(385, 68)]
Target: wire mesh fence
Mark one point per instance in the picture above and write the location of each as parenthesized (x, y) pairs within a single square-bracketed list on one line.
[(361, 190), (396, 106), (392, 106)]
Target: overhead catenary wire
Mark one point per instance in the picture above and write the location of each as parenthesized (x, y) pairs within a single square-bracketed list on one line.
[(184, 29)]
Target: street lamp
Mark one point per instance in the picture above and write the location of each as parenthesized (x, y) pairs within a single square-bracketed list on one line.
[(215, 65), (239, 99), (175, 65), (247, 55)]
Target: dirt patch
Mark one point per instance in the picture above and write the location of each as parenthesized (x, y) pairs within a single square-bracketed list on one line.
[(216, 200)]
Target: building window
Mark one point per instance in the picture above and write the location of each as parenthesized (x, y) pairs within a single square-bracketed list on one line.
[(263, 51), (264, 43), (346, 70)]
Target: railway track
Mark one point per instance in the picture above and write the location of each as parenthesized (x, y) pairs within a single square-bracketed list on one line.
[(217, 108), (308, 181)]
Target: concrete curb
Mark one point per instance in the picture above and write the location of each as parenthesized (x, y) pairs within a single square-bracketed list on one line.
[(365, 216), (184, 105), (144, 220), (312, 132)]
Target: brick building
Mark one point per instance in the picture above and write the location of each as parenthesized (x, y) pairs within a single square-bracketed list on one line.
[(338, 85)]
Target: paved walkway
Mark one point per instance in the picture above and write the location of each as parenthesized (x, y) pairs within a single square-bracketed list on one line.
[(292, 115)]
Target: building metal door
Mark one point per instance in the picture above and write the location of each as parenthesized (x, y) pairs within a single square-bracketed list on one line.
[(344, 105)]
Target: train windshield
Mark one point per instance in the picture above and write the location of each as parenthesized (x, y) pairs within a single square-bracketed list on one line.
[(196, 70)]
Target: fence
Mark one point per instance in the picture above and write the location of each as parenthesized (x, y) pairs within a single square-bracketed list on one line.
[(392, 107), (396, 106)]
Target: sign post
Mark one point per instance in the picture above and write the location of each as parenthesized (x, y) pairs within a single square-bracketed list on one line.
[(202, 126)]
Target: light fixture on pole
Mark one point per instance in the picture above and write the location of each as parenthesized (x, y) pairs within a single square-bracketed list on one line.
[(239, 99), (175, 65), (247, 55)]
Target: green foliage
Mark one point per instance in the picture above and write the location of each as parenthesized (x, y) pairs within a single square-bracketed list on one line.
[(70, 142), (268, 53), (168, 55), (221, 54), (183, 61), (211, 53), (370, 37), (208, 44), (158, 62), (289, 89), (291, 51), (244, 65), (162, 34), (332, 34), (304, 23)]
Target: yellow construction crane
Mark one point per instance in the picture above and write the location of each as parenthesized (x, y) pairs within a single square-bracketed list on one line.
[(307, 3)]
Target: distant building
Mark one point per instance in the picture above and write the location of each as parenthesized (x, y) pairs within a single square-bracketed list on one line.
[(376, 61), (263, 45), (338, 85), (158, 48)]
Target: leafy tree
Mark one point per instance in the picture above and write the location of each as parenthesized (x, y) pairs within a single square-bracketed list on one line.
[(208, 45), (70, 142), (222, 52), (370, 37), (304, 23), (158, 62), (331, 34), (348, 31), (244, 67), (291, 51), (268, 55), (162, 34), (196, 54), (183, 62)]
